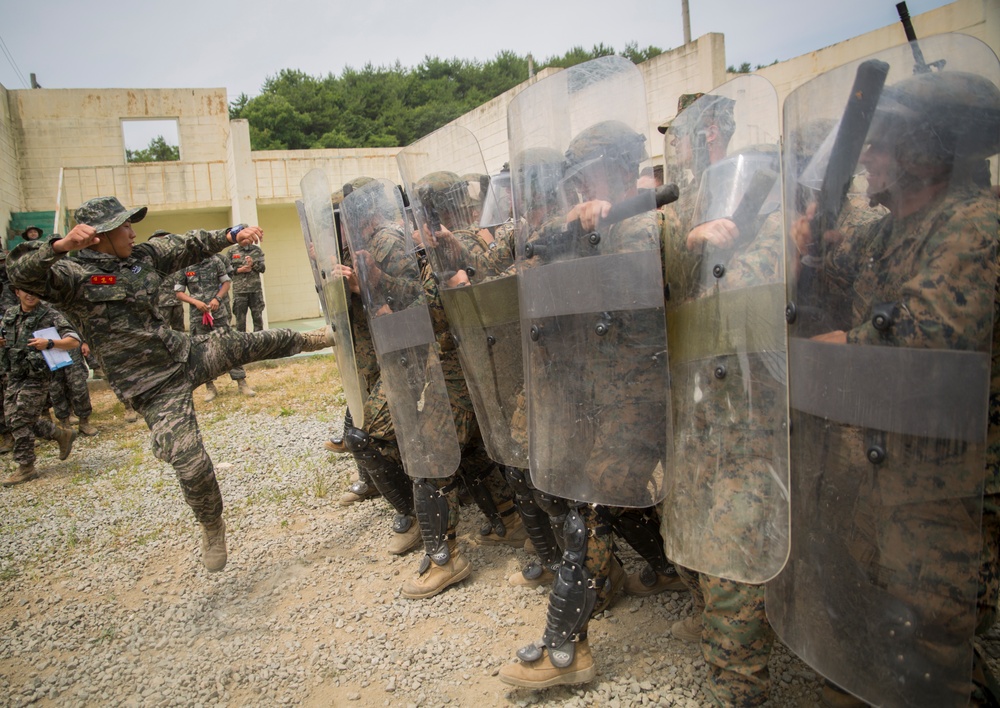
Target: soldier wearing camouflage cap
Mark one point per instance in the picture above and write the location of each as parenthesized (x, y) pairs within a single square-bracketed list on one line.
[(108, 291)]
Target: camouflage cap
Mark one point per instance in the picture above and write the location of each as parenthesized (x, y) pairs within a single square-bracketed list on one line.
[(41, 233), (107, 213), (683, 102)]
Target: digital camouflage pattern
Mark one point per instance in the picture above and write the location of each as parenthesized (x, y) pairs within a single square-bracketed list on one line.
[(154, 368), (202, 282), (27, 388), (68, 389), (247, 291)]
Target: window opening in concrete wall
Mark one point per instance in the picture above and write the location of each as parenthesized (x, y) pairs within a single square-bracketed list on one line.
[(151, 140)]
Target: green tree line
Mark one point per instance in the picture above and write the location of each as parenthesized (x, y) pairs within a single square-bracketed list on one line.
[(388, 106), (158, 150)]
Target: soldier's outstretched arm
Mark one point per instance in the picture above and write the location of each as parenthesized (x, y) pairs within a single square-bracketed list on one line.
[(173, 252)]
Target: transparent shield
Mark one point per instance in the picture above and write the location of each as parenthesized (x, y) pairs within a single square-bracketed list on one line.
[(482, 308), (890, 332), (391, 287), (726, 509), (591, 295), (321, 239)]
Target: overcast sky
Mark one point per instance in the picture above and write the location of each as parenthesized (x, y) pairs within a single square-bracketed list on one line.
[(236, 45)]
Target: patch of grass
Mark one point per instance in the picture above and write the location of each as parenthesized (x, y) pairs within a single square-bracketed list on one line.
[(320, 485), (8, 574), (286, 411)]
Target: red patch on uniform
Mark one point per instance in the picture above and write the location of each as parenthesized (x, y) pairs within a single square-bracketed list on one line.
[(103, 279), (190, 274), (237, 255)]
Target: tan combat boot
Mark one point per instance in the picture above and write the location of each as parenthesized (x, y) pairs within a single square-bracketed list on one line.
[(85, 427), (213, 545), (6, 443), (72, 420), (24, 473), (541, 673), (317, 339), (245, 389), (532, 576), (130, 415), (648, 582), (65, 438), (336, 445), (436, 578), (210, 392), (358, 492), (406, 541), (688, 629), (514, 536)]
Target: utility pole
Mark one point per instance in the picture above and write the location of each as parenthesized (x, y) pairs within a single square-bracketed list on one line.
[(686, 21)]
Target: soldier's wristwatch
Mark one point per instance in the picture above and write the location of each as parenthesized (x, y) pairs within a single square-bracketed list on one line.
[(233, 230)]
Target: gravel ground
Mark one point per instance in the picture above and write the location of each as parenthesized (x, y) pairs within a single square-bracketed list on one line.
[(104, 602)]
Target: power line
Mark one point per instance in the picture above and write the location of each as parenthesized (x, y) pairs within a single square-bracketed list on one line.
[(10, 58)]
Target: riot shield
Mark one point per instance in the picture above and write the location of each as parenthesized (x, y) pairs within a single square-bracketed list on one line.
[(591, 294), (726, 507), (889, 404), (392, 290), (482, 307), (321, 238), (300, 208)]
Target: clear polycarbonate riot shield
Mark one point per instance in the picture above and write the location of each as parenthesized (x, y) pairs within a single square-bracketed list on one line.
[(321, 239), (480, 299), (890, 311), (447, 184), (591, 290), (726, 508), (392, 290), (300, 208)]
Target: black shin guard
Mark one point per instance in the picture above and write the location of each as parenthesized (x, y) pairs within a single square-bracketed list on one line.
[(431, 506), (641, 529), (475, 483), (387, 475), (536, 521)]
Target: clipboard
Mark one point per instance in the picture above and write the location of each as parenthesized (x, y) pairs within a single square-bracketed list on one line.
[(55, 358)]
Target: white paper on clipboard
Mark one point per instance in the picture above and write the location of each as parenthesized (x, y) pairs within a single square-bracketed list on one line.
[(55, 358)]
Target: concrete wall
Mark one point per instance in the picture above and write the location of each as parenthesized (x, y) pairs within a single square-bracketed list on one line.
[(82, 128), (289, 291), (10, 182)]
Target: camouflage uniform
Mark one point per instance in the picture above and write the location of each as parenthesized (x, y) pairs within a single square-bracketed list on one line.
[(939, 266), (247, 292), (28, 376), (203, 281), (171, 309), (112, 300), (68, 389)]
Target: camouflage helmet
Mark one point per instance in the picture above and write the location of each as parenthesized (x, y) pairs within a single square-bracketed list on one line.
[(447, 196), (610, 139), (938, 119), (705, 111), (337, 197)]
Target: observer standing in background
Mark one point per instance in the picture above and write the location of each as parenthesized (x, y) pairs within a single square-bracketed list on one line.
[(208, 284), (247, 263), (28, 375)]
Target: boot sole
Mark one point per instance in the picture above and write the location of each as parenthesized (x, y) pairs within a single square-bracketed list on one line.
[(579, 676), (462, 575)]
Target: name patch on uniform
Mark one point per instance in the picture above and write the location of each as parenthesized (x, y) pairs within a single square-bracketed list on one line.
[(103, 280), (190, 274), (237, 255)]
